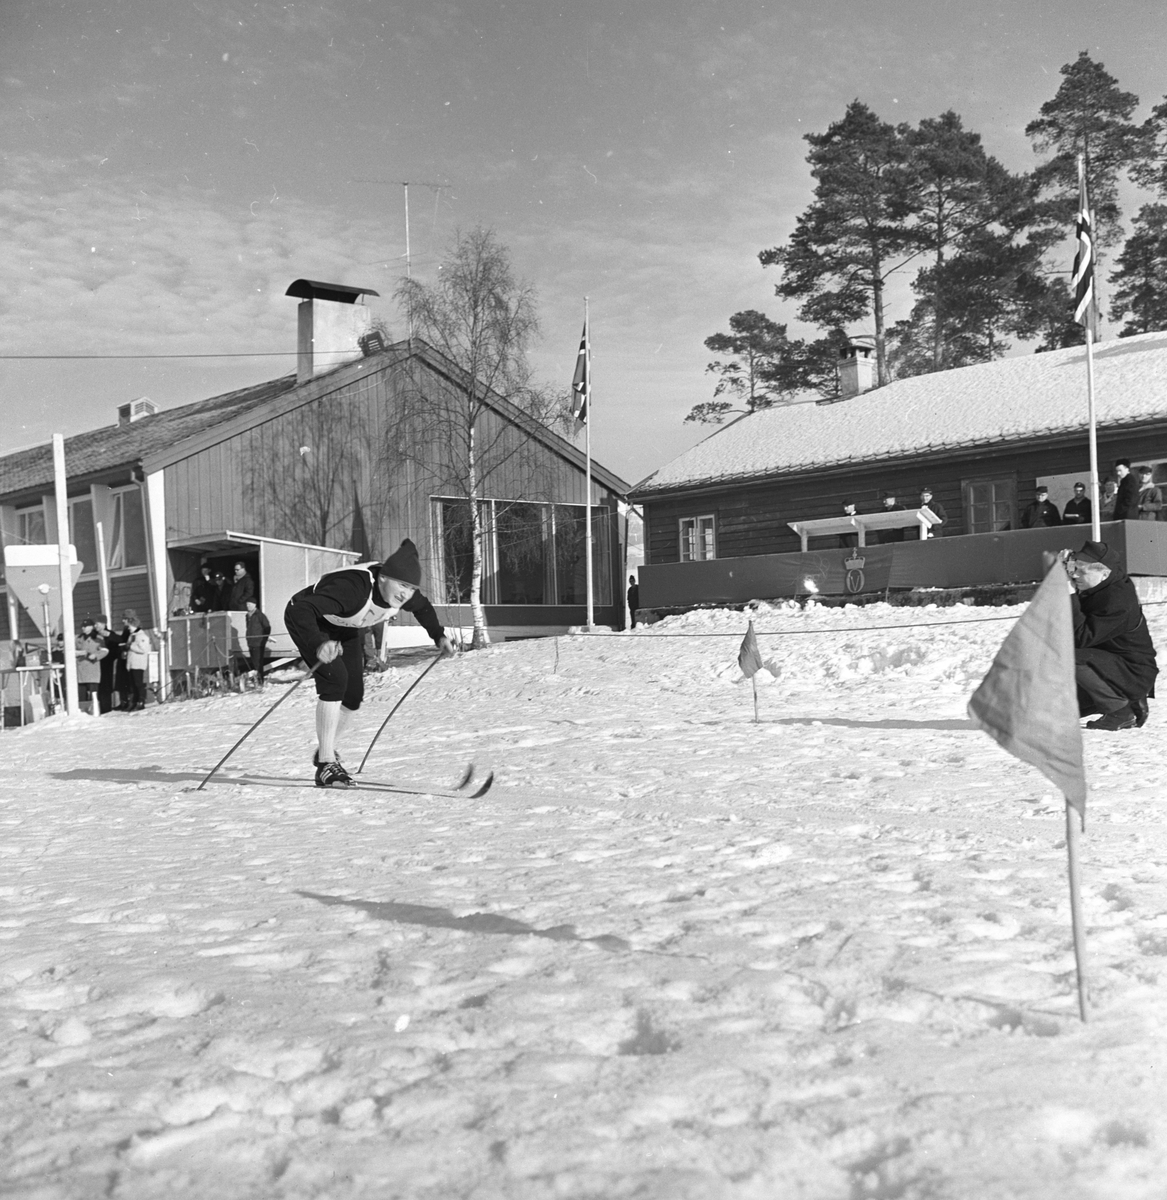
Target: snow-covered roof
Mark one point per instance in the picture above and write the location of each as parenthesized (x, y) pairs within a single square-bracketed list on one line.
[(1013, 399)]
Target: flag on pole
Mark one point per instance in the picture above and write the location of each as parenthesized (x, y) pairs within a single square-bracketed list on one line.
[(1028, 701), (581, 383), (749, 658), (1083, 275)]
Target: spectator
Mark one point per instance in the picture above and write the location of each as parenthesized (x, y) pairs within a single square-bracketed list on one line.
[(117, 648), (137, 650), (1150, 497), (885, 536), (241, 590), (258, 631), (633, 600), (1106, 501), (1041, 512), (204, 594), (928, 501), (1114, 656), (91, 651), (1079, 510), (106, 663), (222, 592), (1126, 502), (846, 540)]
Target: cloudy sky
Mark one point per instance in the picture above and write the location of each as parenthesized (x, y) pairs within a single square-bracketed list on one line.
[(170, 166)]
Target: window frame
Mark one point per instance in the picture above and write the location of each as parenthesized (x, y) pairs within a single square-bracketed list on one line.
[(687, 544), (1008, 486), (114, 547)]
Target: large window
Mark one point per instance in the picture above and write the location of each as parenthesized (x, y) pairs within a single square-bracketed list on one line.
[(697, 539), (30, 526), (533, 553), (989, 504), (127, 542), (82, 535)]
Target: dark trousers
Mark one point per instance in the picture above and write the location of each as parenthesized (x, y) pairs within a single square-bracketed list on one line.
[(137, 688), (258, 647), (105, 695), (1095, 694)]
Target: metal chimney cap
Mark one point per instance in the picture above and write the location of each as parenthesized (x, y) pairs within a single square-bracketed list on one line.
[(339, 293)]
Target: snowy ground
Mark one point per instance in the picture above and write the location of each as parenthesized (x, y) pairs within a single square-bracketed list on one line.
[(673, 955)]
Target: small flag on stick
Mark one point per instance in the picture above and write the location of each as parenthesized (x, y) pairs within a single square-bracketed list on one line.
[(1083, 274), (749, 658), (581, 383), (1028, 703)]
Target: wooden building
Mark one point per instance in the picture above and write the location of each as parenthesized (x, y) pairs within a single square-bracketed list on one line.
[(981, 438), (314, 470)]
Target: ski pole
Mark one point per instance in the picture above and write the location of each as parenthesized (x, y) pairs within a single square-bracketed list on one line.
[(257, 725), (437, 659)]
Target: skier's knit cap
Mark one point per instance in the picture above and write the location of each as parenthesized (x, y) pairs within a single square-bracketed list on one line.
[(403, 564)]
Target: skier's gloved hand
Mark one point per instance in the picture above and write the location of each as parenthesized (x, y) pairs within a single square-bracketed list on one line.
[(327, 652), (446, 648)]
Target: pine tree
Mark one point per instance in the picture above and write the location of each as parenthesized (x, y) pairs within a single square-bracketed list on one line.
[(844, 245), (1089, 115), (1140, 280)]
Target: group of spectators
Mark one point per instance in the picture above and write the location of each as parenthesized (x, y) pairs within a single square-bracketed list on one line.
[(891, 503), (1132, 496), (213, 592), (111, 664)]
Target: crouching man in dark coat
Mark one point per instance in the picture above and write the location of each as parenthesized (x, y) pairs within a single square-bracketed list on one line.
[(327, 623), (1113, 651)]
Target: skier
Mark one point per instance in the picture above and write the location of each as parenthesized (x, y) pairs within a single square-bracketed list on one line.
[(326, 622)]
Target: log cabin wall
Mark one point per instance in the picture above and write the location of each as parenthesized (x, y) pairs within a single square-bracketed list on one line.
[(751, 518)]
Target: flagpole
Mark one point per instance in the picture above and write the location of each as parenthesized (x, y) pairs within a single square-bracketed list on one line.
[(1086, 312), (754, 681), (588, 454), (1076, 907)]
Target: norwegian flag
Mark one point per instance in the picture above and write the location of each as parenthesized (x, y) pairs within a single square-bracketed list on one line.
[(581, 383), (1083, 281)]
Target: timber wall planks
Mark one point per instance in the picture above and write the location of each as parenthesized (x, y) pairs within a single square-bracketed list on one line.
[(751, 518)]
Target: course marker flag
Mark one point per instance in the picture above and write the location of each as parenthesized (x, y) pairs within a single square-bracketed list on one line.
[(1028, 703), (749, 658)]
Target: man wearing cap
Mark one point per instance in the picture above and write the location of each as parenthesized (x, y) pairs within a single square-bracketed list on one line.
[(1150, 497), (1041, 512), (928, 501), (1078, 510), (885, 536), (326, 622), (1114, 656)]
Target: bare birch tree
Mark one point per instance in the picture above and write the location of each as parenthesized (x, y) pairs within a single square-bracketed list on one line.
[(475, 432)]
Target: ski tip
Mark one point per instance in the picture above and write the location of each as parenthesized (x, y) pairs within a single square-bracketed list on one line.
[(467, 775), (484, 788)]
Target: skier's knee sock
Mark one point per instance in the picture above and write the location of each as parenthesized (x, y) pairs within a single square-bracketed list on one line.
[(327, 723), (346, 717)]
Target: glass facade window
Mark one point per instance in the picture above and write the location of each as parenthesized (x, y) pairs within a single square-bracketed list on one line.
[(532, 553)]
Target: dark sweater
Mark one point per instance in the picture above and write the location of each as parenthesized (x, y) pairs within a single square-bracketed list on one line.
[(344, 594)]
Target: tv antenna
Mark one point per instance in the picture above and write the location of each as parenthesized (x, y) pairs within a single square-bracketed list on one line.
[(404, 183)]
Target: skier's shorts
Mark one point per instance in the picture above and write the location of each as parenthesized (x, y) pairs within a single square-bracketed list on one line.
[(342, 679)]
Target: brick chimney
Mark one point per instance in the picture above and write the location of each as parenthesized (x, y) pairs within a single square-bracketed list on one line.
[(856, 369), (332, 319)]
